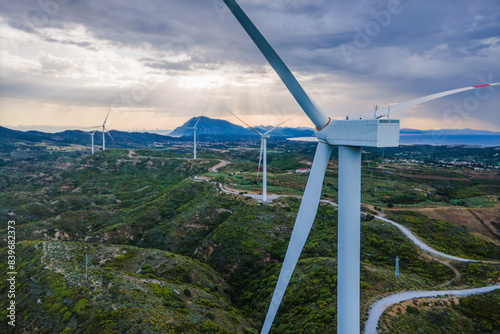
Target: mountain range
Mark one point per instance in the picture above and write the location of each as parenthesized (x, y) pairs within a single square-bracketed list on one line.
[(78, 137), (221, 130)]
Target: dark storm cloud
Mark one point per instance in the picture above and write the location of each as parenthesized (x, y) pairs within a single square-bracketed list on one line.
[(297, 29)]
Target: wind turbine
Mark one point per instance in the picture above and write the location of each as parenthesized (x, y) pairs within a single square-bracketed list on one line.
[(92, 135), (104, 131), (350, 136), (194, 135), (263, 154)]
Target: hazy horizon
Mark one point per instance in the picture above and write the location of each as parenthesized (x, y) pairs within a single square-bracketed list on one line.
[(56, 129)]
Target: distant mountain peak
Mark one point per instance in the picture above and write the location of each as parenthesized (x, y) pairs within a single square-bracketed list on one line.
[(209, 126), (217, 127)]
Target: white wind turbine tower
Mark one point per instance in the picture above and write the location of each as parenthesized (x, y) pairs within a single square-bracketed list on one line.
[(92, 135), (349, 135), (104, 131), (263, 154), (194, 128)]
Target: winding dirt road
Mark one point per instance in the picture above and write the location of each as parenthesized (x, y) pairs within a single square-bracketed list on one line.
[(222, 163)]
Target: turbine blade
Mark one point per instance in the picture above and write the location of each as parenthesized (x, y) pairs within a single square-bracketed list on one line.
[(387, 111), (109, 134), (272, 129), (277, 126), (312, 110), (260, 159), (106, 118), (242, 121), (303, 224), (195, 124)]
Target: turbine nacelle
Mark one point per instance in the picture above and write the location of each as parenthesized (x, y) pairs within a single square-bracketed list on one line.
[(361, 133)]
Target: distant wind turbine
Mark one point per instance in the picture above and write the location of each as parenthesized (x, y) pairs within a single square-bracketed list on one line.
[(92, 135), (194, 128), (263, 154), (350, 136), (104, 131)]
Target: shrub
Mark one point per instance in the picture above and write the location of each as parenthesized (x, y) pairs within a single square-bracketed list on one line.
[(80, 306), (365, 286), (55, 308), (211, 327), (147, 269), (412, 310), (67, 316)]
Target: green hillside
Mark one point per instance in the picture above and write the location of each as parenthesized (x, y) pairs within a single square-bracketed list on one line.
[(120, 289), (167, 252)]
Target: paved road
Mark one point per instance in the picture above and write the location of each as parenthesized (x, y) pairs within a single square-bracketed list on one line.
[(422, 245), (380, 306)]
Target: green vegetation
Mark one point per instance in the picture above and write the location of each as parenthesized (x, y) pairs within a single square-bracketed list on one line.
[(118, 293), (382, 242), (447, 237), (167, 253), (478, 274)]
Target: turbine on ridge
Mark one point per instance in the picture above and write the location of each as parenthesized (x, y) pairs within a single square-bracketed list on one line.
[(350, 136), (263, 154)]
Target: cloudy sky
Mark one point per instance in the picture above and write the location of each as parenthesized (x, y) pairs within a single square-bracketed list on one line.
[(156, 63)]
